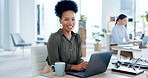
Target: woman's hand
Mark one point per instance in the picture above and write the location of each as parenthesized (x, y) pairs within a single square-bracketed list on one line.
[(46, 69), (79, 67)]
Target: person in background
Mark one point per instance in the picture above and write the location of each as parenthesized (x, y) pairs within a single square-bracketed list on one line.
[(119, 33), (65, 45)]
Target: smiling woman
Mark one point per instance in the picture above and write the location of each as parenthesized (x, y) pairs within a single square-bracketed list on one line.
[(65, 45)]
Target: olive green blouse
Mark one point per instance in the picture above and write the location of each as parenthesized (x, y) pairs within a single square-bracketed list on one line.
[(60, 49)]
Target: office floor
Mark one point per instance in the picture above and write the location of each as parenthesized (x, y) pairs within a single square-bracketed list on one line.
[(15, 66), (19, 66)]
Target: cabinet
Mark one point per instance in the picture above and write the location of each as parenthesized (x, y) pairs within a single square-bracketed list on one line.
[(136, 28), (82, 32)]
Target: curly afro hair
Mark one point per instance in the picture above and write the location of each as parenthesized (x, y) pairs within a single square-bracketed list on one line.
[(65, 5)]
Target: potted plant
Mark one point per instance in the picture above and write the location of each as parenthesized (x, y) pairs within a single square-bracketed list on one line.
[(145, 16), (96, 36)]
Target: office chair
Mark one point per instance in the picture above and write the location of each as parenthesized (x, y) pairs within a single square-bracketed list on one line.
[(18, 42), (108, 36)]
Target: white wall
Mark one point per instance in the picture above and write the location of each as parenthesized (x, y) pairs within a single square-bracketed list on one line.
[(1, 14), (28, 20), (14, 16), (109, 8)]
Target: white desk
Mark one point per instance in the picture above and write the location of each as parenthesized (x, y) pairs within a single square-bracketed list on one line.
[(134, 49), (107, 74)]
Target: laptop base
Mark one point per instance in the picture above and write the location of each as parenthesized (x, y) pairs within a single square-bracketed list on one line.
[(78, 74)]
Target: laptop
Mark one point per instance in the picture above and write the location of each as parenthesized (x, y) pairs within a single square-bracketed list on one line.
[(98, 63)]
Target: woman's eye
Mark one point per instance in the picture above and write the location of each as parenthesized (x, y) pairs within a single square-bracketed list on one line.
[(73, 19), (66, 19)]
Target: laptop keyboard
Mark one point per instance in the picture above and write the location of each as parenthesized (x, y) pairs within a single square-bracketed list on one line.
[(79, 73)]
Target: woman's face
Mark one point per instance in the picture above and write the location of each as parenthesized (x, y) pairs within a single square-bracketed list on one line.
[(123, 21), (68, 20)]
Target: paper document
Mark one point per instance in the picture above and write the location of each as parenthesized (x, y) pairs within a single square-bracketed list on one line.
[(127, 45)]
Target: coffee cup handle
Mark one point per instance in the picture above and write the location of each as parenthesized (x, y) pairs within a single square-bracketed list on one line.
[(51, 69)]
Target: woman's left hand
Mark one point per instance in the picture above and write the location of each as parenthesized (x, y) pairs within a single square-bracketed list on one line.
[(84, 64), (79, 67)]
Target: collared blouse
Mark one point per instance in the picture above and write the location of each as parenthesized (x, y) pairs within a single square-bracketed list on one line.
[(60, 49)]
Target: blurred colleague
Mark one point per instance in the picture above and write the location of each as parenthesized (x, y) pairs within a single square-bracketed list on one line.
[(119, 34)]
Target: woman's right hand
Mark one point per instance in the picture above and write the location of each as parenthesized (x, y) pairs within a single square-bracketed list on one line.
[(46, 69), (80, 67)]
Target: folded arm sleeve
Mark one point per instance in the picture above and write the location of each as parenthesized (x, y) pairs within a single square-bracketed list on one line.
[(52, 48), (68, 66)]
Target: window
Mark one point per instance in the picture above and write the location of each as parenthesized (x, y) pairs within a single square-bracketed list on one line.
[(127, 7), (141, 8)]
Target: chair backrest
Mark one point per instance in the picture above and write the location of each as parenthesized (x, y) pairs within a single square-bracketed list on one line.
[(38, 59), (16, 38), (108, 36)]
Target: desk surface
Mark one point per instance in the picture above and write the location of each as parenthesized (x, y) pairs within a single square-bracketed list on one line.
[(107, 74), (135, 48)]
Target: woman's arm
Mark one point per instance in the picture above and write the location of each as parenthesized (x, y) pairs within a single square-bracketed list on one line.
[(52, 47), (79, 54), (80, 64)]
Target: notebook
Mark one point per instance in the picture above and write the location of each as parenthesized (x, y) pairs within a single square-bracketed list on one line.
[(98, 63), (41, 76), (127, 70)]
